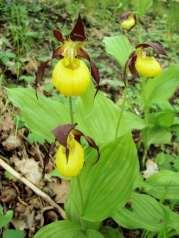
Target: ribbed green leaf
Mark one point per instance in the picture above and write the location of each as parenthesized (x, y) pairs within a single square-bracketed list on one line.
[(156, 135), (60, 229), (161, 88), (110, 232), (44, 114), (163, 185), (6, 218), (101, 122), (107, 184), (10, 233), (142, 6), (41, 115), (143, 212), (119, 47), (93, 234)]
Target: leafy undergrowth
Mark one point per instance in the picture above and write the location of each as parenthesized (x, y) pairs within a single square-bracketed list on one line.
[(133, 189)]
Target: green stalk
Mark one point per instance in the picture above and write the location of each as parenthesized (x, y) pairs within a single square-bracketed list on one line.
[(72, 122), (122, 111), (71, 110)]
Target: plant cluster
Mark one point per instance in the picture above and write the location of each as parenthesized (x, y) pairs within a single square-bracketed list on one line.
[(103, 148)]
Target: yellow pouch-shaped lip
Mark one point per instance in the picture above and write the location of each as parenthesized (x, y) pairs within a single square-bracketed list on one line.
[(128, 23), (147, 66), (71, 78), (72, 166)]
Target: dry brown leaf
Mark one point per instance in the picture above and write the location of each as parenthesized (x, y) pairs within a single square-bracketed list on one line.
[(12, 142), (7, 124), (29, 168), (60, 190), (31, 66)]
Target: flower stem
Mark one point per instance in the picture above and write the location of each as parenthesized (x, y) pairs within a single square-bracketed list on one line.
[(71, 109), (121, 112)]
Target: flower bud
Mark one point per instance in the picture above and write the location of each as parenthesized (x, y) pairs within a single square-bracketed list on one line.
[(147, 66), (69, 164), (128, 23), (71, 77)]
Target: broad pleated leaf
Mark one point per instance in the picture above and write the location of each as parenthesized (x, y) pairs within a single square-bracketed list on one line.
[(161, 88), (5, 218), (44, 114), (163, 185), (93, 234), (145, 212), (101, 121), (105, 185), (60, 229), (142, 6), (40, 115), (12, 233), (119, 47)]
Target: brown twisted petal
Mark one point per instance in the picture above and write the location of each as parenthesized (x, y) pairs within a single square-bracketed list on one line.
[(158, 48), (58, 35), (58, 52), (131, 64), (94, 70)]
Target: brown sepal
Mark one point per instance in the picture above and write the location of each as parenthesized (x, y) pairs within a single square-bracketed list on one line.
[(156, 46), (58, 35), (62, 132), (78, 31), (125, 15)]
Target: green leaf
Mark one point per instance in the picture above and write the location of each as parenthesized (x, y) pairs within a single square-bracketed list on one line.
[(60, 229), (119, 47), (142, 6), (167, 161), (10, 233), (6, 218), (161, 88), (44, 114), (110, 232), (35, 138), (156, 135), (40, 115), (163, 118), (163, 185), (147, 213), (93, 234), (103, 117), (106, 184)]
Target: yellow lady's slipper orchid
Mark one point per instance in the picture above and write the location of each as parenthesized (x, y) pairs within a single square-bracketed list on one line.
[(71, 166), (71, 77), (147, 66), (128, 23)]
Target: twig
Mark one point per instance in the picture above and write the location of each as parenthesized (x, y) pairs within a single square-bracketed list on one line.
[(32, 186)]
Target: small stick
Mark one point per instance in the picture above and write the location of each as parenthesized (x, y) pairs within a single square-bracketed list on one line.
[(36, 190)]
